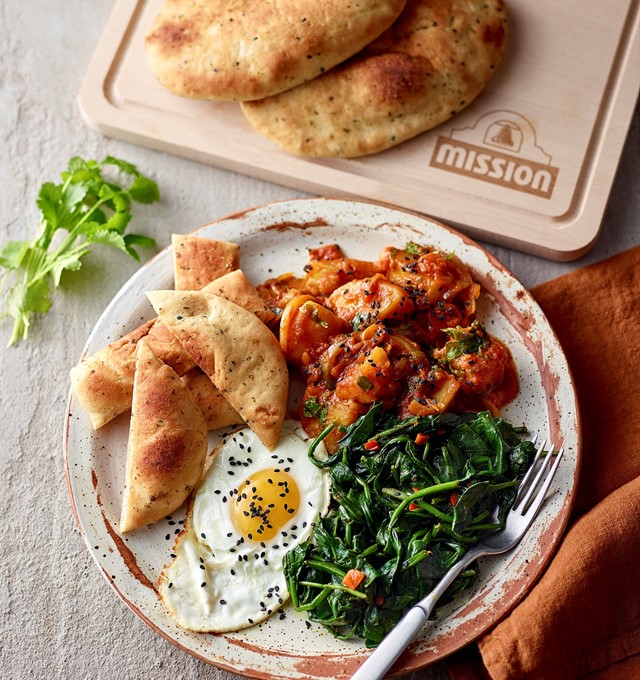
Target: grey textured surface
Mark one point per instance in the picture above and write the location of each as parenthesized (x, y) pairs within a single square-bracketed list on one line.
[(59, 618)]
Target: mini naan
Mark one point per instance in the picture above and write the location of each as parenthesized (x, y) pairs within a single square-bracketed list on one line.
[(239, 50), (167, 443), (198, 261), (236, 350), (433, 62)]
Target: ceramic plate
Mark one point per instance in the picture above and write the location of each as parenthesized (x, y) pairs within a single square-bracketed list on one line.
[(274, 239)]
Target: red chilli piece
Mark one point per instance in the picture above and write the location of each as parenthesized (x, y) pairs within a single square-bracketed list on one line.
[(453, 498), (372, 445), (421, 438)]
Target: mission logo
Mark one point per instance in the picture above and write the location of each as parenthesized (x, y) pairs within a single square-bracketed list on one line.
[(501, 149)]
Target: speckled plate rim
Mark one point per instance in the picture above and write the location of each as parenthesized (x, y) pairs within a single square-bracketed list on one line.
[(503, 582)]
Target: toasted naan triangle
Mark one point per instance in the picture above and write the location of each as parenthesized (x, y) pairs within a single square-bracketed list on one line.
[(167, 443), (236, 350), (198, 261)]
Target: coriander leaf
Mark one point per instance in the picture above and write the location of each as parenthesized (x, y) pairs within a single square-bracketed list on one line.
[(144, 190), (90, 208), (71, 262), (124, 166), (12, 254)]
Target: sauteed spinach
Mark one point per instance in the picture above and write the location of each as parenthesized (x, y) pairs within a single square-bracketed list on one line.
[(409, 498)]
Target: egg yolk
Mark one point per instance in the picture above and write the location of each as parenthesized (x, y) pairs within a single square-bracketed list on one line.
[(264, 504)]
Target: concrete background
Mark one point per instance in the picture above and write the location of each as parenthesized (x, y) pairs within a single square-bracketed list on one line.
[(58, 616)]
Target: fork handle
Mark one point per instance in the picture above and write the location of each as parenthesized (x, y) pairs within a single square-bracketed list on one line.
[(392, 646), (396, 641)]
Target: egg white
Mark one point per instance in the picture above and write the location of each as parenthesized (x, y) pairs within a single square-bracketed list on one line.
[(220, 580)]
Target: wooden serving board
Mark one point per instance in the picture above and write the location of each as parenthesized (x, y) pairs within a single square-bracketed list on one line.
[(528, 165)]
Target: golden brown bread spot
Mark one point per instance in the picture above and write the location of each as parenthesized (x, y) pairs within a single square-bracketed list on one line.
[(172, 36), (395, 77), (494, 34), (167, 455)]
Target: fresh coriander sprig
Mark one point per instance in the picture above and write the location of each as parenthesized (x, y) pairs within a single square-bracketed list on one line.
[(91, 209)]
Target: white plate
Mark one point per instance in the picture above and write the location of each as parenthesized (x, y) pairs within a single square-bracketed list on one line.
[(274, 239)]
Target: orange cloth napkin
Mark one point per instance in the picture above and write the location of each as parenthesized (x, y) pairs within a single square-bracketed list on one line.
[(582, 617)]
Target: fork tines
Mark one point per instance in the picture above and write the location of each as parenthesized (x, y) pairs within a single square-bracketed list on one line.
[(540, 467)]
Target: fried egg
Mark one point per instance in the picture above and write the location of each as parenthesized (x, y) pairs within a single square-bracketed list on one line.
[(251, 507)]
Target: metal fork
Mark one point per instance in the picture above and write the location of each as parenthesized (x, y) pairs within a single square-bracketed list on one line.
[(529, 498)]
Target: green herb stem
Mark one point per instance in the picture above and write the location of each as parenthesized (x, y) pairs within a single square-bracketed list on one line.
[(428, 491), (335, 586)]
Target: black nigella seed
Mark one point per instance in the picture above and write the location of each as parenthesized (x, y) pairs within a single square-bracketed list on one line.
[(203, 584), (202, 535), (223, 602), (167, 537), (306, 623), (171, 585)]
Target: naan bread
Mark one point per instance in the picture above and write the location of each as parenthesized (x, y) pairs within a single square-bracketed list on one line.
[(236, 350), (198, 261), (167, 443), (433, 62), (103, 383), (237, 288), (239, 50), (217, 411)]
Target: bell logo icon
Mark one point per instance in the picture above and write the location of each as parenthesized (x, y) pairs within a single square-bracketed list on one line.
[(501, 149)]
